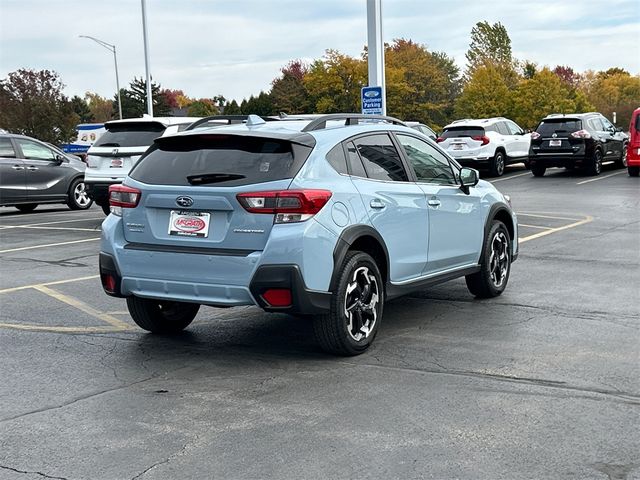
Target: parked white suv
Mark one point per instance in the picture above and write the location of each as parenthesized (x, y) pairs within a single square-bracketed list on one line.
[(112, 156), (487, 143)]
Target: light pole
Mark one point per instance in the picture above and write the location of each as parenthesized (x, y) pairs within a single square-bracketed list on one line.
[(146, 58), (111, 48)]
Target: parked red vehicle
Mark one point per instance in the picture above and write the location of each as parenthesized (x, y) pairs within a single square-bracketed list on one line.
[(633, 152)]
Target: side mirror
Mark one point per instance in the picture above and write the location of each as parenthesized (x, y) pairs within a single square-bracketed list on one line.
[(618, 129), (468, 178), (59, 159)]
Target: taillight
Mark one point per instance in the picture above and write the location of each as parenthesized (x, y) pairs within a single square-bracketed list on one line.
[(440, 139), (92, 162), (581, 134), (535, 135), (289, 206), (121, 196), (484, 139)]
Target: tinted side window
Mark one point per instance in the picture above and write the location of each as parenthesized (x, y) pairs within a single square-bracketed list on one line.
[(337, 159), (355, 164), (35, 151), (6, 148), (607, 124), (596, 124), (502, 128), (429, 164), (380, 158), (514, 129)]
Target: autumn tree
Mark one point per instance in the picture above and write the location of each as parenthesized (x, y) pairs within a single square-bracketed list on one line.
[(613, 90), (491, 46), (102, 109), (543, 94), (202, 108), (288, 91), (485, 95), (334, 83), (32, 103)]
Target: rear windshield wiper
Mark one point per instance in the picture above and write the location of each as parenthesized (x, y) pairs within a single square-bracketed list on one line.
[(213, 178), (108, 145)]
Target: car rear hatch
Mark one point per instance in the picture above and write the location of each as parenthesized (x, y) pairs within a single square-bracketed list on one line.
[(120, 147), (554, 136), (462, 141), (189, 186)]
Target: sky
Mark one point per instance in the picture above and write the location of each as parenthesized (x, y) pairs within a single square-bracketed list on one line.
[(235, 48)]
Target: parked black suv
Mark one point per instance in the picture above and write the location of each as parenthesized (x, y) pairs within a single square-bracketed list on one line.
[(580, 140)]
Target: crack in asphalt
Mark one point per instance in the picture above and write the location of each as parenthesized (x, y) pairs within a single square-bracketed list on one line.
[(75, 400), (66, 262), (626, 397), (166, 460), (26, 472)]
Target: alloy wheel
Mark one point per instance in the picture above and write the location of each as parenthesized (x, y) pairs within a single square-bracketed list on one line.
[(80, 195), (499, 160), (499, 259), (361, 303), (624, 157)]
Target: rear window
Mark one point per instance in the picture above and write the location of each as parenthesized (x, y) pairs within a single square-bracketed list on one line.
[(219, 160), (453, 132), (130, 135), (549, 127)]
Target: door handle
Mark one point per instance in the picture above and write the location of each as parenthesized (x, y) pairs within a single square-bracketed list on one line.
[(433, 202), (32, 168), (376, 203), (17, 167)]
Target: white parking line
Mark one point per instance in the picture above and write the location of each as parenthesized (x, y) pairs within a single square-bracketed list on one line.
[(59, 221), (510, 177), (74, 229), (601, 177), (48, 245)]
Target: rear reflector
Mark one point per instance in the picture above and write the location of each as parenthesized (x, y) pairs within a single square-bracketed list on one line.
[(278, 297), (289, 206), (108, 283)]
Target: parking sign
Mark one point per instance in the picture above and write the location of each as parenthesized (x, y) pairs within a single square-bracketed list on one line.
[(371, 100)]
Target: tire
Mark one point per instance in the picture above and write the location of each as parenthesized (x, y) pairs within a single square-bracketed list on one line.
[(595, 167), (497, 164), (26, 207), (106, 209), (633, 171), (622, 163), (494, 272), (158, 316), (356, 310), (538, 171), (78, 197)]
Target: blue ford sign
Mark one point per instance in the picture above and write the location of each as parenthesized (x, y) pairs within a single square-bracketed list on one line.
[(372, 100)]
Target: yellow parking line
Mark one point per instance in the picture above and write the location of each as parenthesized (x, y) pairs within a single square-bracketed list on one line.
[(587, 219), (534, 226), (510, 177), (602, 177), (83, 307), (57, 282), (48, 245), (44, 328), (536, 215)]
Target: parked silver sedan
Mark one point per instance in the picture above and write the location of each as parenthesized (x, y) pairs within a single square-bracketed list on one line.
[(32, 173)]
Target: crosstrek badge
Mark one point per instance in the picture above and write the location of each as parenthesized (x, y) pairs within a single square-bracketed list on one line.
[(189, 224)]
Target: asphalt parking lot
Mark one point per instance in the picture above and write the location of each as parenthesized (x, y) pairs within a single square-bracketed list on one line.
[(541, 382)]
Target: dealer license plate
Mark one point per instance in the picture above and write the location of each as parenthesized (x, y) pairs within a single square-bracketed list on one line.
[(457, 146), (555, 143), (185, 223)]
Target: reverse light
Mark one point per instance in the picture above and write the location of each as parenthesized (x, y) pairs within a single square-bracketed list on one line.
[(289, 206), (484, 139), (535, 135), (121, 196), (581, 134)]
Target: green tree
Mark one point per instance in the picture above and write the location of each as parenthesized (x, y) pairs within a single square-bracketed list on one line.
[(529, 69), (334, 83), (134, 99), (485, 95), (542, 95), (260, 105), (491, 45), (288, 92), (232, 108), (32, 103), (202, 108), (81, 108), (102, 109)]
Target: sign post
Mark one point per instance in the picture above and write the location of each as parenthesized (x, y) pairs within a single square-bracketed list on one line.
[(375, 49)]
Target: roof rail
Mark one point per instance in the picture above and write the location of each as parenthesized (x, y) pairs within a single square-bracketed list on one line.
[(230, 119), (349, 118)]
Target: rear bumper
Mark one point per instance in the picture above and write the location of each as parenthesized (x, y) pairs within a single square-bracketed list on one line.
[(558, 160), (633, 156), (473, 162)]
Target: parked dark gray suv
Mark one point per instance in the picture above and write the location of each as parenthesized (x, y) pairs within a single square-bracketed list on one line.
[(32, 172)]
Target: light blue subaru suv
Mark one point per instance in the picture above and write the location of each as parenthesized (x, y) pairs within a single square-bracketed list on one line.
[(322, 216)]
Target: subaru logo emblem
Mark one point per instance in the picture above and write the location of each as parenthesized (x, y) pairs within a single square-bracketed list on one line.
[(184, 201)]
